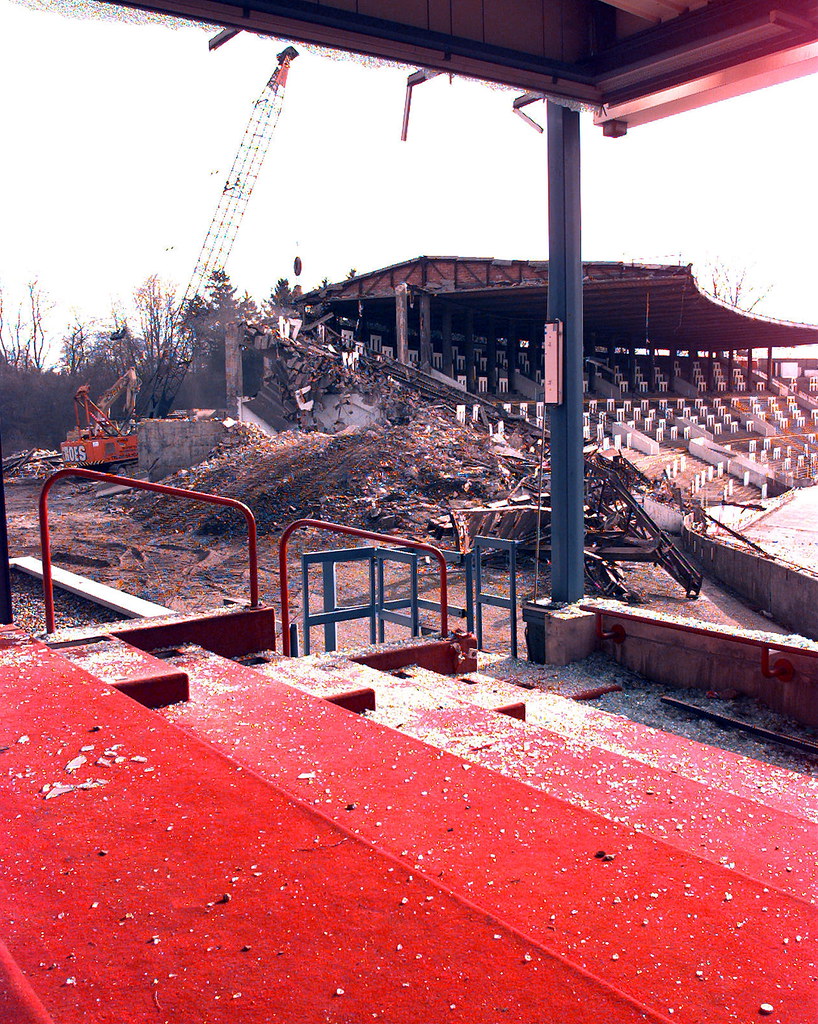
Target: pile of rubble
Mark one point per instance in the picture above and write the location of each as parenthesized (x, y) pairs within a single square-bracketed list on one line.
[(34, 463), (323, 386), (400, 451), (397, 477)]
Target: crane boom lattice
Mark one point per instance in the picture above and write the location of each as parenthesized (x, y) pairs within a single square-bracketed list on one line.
[(224, 226)]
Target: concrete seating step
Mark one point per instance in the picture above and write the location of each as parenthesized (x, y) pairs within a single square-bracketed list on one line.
[(574, 724), (178, 886), (701, 816), (591, 890), (149, 680)]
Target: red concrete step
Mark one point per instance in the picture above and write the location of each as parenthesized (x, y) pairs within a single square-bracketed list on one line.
[(325, 674), (147, 679), (695, 941), (584, 726), (698, 798), (186, 888)]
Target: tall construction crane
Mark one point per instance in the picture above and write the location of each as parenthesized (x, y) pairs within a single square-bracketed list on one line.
[(222, 232)]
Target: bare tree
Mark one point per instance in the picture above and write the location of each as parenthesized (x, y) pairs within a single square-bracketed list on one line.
[(23, 342), (39, 306), (75, 347), (156, 309), (732, 285)]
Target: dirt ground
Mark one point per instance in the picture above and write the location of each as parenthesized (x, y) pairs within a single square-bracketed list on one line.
[(187, 571)]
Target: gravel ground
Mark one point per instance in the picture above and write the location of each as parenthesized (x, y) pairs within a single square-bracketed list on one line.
[(29, 613), (640, 700)]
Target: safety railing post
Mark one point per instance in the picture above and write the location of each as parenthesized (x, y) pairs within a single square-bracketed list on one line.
[(142, 485)]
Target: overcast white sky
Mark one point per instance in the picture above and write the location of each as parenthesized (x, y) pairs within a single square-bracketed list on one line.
[(117, 138)]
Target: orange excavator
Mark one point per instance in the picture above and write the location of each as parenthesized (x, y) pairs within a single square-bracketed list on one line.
[(97, 440)]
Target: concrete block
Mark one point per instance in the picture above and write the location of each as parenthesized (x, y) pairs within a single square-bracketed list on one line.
[(166, 446), (558, 636)]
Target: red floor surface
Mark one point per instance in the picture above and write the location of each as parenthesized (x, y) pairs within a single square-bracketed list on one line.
[(693, 939), (188, 889), (194, 886)]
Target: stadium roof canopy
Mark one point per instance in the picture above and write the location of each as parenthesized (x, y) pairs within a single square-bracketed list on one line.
[(633, 61), (657, 302)]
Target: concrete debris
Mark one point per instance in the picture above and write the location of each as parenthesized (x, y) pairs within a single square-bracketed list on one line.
[(34, 464), (395, 478)]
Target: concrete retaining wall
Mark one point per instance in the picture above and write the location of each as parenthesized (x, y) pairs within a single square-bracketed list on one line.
[(707, 662), (166, 446), (665, 516), (607, 388), (790, 596), (682, 387), (695, 430), (735, 465), (708, 659), (526, 386), (757, 426)]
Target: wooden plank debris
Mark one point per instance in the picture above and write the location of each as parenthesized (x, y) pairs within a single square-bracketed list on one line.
[(127, 605)]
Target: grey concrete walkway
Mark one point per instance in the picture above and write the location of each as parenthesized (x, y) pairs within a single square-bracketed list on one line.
[(791, 530)]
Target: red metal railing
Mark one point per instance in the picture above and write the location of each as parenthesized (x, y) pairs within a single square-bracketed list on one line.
[(782, 669), (351, 531), (143, 485)]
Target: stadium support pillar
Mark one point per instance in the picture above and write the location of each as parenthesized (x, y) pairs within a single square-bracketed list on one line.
[(565, 304), (471, 361), (234, 383), (446, 336), (513, 350), (425, 332), (402, 322), (491, 358), (769, 371)]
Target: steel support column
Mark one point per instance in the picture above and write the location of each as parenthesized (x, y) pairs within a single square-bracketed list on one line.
[(565, 304), (448, 366), (6, 617)]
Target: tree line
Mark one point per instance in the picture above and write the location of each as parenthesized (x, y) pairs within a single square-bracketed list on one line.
[(38, 379)]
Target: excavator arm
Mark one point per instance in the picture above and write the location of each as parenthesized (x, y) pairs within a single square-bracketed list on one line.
[(129, 383)]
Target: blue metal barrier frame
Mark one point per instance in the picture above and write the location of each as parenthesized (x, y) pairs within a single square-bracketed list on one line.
[(391, 611), (482, 544), (378, 610), (332, 614)]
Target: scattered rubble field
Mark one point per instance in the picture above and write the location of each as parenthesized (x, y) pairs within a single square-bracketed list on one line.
[(389, 477)]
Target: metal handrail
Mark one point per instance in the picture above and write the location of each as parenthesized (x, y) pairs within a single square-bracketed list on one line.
[(782, 669), (143, 485), (351, 531)]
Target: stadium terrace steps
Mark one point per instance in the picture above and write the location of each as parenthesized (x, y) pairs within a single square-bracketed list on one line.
[(586, 886)]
